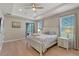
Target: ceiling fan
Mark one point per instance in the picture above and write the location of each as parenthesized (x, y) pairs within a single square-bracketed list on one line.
[(34, 6)]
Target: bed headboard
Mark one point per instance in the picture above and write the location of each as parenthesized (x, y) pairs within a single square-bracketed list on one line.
[(50, 32)]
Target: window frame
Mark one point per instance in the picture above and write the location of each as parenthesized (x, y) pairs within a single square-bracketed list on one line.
[(62, 19)]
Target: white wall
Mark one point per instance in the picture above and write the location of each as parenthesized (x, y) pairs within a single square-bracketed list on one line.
[(77, 30), (14, 33), (51, 24)]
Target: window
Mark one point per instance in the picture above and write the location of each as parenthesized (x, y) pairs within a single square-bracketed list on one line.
[(29, 28), (67, 24), (40, 26)]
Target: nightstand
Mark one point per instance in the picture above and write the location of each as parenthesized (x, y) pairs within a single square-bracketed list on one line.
[(63, 42)]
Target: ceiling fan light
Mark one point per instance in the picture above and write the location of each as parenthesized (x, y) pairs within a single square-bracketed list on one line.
[(20, 9), (33, 9)]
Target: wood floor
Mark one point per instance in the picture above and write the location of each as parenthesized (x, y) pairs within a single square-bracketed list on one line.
[(20, 48)]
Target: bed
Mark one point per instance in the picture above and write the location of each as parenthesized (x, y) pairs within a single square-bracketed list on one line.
[(41, 42)]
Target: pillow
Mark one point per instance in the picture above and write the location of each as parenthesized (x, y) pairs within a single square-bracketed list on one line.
[(52, 33), (46, 32)]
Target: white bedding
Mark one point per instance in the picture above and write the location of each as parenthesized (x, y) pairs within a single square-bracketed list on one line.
[(45, 39)]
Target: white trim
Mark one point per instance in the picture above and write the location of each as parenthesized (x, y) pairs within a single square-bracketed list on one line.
[(13, 40)]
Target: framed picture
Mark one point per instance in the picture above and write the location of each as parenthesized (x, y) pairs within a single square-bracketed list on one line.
[(16, 24)]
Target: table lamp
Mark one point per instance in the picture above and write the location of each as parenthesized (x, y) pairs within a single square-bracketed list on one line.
[(68, 31)]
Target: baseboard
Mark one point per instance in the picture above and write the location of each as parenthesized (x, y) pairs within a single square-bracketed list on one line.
[(13, 40)]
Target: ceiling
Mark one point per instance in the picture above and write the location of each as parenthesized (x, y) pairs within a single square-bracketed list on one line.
[(20, 9)]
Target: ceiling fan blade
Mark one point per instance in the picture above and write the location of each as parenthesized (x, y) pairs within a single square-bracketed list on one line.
[(33, 5), (28, 7), (39, 7)]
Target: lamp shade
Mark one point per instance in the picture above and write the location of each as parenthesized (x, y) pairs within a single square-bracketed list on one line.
[(39, 30), (34, 9), (67, 30)]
